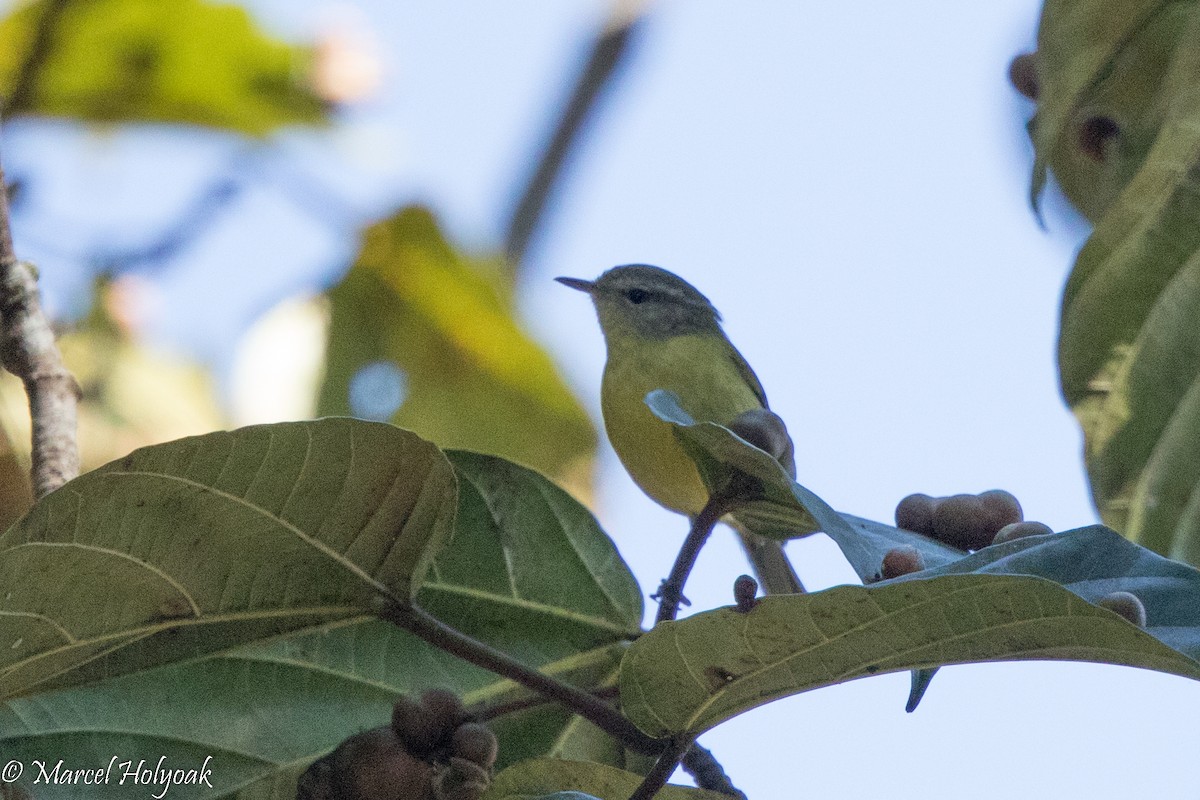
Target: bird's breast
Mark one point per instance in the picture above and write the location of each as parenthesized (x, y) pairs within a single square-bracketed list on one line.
[(699, 370)]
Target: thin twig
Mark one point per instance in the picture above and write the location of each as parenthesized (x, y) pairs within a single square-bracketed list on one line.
[(40, 46), (670, 594), (601, 65), (770, 563), (667, 761), (418, 622), (27, 350), (707, 772)]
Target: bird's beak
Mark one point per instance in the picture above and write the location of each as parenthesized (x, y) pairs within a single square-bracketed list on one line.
[(578, 283)]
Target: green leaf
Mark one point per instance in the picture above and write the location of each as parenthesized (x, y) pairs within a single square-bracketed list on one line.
[(188, 548), (690, 675), (277, 706), (265, 713), (1129, 351), (545, 777), (787, 508), (174, 61), (474, 379), (1102, 60)]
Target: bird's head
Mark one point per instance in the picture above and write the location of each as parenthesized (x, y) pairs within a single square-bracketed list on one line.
[(646, 301)]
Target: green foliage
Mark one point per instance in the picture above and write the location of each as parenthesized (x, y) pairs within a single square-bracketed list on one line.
[(567, 780), (690, 675), (192, 547), (174, 61), (1129, 352), (475, 380)]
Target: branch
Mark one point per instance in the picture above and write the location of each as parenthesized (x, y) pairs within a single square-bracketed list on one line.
[(657, 777), (419, 623), (707, 772), (21, 96), (597, 73), (670, 594), (27, 350)]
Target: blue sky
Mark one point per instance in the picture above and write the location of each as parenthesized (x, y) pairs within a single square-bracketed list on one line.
[(848, 184)]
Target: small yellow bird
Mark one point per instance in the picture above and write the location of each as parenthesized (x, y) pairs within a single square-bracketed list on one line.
[(662, 333)]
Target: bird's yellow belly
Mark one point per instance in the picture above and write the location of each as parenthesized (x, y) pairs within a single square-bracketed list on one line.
[(710, 389)]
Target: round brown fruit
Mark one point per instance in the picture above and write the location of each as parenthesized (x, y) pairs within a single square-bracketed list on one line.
[(375, 765), (962, 521), (1002, 508), (476, 743), (412, 724), (915, 513), (1022, 74), (901, 561), (1128, 605), (1019, 530)]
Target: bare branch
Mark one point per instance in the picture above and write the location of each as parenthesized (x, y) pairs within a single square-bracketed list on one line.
[(607, 53), (27, 350)]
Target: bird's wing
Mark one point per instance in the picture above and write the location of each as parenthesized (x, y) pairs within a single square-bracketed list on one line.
[(747, 374)]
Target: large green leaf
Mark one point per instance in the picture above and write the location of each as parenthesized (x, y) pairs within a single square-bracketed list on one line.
[(473, 378), (265, 713), (184, 61), (1129, 348), (195, 546), (271, 709), (553, 778), (690, 675), (530, 567)]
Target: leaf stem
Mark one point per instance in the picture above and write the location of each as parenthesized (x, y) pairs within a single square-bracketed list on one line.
[(420, 623), (670, 594)]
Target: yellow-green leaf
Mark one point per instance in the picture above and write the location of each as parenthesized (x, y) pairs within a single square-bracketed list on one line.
[(690, 675), (1129, 351), (191, 547), (179, 61), (473, 378)]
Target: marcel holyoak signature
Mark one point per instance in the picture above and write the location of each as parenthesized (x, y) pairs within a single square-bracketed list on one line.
[(156, 776)]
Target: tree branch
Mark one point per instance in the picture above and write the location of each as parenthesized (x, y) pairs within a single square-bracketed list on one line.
[(707, 772), (607, 53), (418, 622), (657, 777), (670, 594), (27, 350)]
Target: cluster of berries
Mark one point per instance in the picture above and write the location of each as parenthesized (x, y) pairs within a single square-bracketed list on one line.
[(431, 751)]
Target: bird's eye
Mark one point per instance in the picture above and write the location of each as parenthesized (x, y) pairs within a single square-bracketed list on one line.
[(637, 295)]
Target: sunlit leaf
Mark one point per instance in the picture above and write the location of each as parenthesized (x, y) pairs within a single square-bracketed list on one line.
[(554, 778), (195, 546), (695, 673), (180, 61), (468, 375), (1129, 351), (1102, 96)]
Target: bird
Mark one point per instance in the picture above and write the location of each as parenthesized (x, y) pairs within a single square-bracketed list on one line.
[(662, 333)]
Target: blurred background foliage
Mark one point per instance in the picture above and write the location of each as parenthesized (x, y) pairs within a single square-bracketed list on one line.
[(413, 329)]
